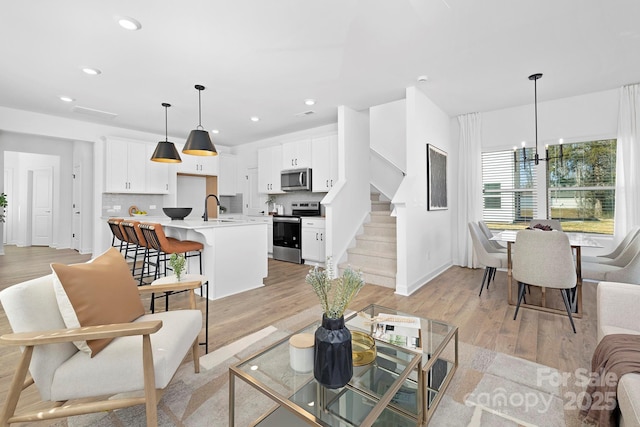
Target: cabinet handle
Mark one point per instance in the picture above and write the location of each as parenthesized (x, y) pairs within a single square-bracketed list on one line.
[(316, 236), (296, 162), (166, 186), (291, 162), (332, 183), (327, 184), (321, 235)]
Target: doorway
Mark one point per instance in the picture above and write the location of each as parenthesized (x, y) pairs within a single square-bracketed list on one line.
[(41, 206)]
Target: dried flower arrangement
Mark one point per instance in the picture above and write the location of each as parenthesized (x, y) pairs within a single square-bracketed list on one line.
[(334, 294)]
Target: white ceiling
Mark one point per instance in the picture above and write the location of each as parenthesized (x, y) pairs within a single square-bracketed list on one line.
[(264, 57)]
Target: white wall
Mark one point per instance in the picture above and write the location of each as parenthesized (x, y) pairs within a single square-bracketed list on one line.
[(424, 237), (36, 124), (31, 152), (348, 203), (83, 156), (578, 118), (389, 133), (388, 130)]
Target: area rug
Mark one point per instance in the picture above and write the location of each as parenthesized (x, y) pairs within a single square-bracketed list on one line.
[(488, 389)]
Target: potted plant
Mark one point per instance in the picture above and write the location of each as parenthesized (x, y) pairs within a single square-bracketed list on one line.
[(333, 364), (3, 205), (177, 263)]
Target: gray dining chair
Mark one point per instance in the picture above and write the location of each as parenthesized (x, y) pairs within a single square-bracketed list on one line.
[(487, 256), (631, 235), (624, 268), (488, 234), (553, 223), (544, 259)]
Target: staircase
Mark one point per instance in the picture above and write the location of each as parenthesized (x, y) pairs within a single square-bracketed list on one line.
[(375, 253)]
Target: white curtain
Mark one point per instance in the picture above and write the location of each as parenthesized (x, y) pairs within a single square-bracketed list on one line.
[(627, 212), (469, 184)]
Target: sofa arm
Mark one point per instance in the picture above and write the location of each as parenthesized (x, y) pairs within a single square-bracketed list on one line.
[(84, 333), (618, 306)]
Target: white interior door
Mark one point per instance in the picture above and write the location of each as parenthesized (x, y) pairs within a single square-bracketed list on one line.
[(8, 189), (76, 226), (42, 207)]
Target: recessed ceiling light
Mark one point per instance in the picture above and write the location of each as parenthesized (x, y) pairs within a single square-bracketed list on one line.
[(129, 23), (66, 99), (422, 79), (255, 119), (215, 131), (310, 101), (91, 71)]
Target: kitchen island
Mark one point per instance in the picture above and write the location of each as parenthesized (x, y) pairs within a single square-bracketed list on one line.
[(234, 258)]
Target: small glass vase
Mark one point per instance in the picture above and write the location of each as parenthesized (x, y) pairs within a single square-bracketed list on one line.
[(333, 359)]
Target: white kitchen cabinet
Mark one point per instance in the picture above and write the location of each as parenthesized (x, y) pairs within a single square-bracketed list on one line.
[(197, 165), (324, 165), (269, 221), (157, 174), (125, 166), (269, 167), (296, 154), (227, 179), (313, 239)]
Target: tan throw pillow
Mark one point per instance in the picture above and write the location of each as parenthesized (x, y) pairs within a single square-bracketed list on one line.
[(100, 292)]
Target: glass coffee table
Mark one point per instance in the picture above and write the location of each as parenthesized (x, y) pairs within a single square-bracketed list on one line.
[(415, 362)]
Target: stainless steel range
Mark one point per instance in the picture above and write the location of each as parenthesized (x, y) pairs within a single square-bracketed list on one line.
[(287, 231)]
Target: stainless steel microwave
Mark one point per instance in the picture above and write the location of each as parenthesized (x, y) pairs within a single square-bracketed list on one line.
[(295, 179)]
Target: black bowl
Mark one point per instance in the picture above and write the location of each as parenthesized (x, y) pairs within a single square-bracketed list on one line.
[(177, 213)]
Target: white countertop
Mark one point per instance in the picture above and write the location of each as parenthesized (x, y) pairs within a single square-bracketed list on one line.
[(199, 224)]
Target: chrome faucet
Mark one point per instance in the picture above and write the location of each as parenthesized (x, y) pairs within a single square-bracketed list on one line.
[(205, 216)]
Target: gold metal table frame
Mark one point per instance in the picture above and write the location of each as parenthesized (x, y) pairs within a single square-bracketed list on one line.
[(407, 392)]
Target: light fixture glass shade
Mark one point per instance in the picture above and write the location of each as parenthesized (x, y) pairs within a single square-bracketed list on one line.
[(199, 144), (166, 152)]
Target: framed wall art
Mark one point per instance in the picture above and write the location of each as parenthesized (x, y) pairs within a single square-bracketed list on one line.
[(436, 178)]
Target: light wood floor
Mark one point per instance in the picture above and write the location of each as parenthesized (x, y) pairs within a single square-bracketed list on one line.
[(452, 297)]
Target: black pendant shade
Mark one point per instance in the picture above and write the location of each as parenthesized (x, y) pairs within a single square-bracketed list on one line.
[(199, 142), (166, 151)]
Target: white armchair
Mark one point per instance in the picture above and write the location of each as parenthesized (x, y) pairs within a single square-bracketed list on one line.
[(144, 355), (618, 314)]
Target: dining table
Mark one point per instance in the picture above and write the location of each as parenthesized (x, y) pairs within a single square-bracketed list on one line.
[(577, 242)]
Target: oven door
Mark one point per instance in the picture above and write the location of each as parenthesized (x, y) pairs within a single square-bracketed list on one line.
[(286, 239)]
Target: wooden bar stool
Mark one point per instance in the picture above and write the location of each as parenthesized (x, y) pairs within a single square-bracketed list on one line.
[(135, 237), (165, 246), (116, 231)]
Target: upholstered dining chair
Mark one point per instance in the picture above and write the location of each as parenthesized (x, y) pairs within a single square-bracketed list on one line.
[(487, 256), (488, 234), (631, 235), (624, 268), (544, 259), (85, 337), (553, 223)]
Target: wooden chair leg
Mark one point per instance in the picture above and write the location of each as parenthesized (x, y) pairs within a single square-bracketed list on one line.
[(150, 395), (15, 389), (195, 348)]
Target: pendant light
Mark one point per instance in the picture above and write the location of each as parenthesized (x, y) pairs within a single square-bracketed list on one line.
[(166, 151), (199, 142), (536, 159)]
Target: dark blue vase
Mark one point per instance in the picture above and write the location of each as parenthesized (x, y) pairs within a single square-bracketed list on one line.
[(333, 367)]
